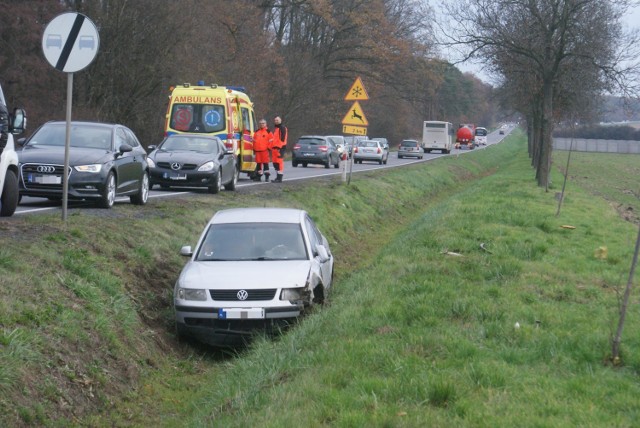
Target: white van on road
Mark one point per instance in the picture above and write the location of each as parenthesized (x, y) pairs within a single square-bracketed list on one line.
[(9, 124)]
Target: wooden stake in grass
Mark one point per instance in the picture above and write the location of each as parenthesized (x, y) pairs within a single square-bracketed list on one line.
[(615, 352)]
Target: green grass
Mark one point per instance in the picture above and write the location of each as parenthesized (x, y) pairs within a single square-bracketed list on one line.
[(412, 335)]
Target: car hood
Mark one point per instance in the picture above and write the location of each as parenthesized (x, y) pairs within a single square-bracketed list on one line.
[(55, 155), (181, 156), (250, 274)]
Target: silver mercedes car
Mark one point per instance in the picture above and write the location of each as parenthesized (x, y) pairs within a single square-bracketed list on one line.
[(252, 270)]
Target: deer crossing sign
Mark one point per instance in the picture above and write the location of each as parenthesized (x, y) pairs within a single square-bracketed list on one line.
[(355, 116)]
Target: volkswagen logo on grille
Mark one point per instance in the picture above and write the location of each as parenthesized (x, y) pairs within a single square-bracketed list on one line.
[(46, 169), (242, 295), (175, 166)]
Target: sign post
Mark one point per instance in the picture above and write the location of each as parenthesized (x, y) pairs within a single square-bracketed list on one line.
[(355, 122), (70, 43)]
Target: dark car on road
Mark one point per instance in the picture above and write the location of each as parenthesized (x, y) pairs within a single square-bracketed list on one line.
[(105, 161), (315, 149), (187, 160)]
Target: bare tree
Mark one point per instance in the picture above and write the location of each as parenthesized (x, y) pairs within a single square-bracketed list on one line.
[(540, 41)]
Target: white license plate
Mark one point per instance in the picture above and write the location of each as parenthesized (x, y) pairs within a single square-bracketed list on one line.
[(178, 176), (240, 313), (47, 179)]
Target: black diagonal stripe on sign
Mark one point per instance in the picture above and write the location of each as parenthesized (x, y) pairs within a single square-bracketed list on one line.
[(71, 40)]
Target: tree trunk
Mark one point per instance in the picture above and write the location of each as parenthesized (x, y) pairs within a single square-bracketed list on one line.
[(544, 163)]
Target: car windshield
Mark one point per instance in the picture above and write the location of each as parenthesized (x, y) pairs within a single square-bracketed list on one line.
[(481, 132), (192, 144), (82, 135), (253, 241)]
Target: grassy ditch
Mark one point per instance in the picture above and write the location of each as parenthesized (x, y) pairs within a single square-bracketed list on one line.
[(420, 328)]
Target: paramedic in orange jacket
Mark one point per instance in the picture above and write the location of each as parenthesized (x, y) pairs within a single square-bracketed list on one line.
[(262, 142), (279, 145)]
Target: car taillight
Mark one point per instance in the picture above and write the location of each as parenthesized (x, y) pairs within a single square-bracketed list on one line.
[(296, 147), (379, 150), (323, 148), (355, 150)]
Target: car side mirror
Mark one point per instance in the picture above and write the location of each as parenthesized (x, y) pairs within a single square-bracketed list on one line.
[(124, 148), (152, 147), (321, 252), (18, 121), (186, 251)]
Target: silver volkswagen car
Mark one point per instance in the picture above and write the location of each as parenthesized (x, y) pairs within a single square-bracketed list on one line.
[(252, 270)]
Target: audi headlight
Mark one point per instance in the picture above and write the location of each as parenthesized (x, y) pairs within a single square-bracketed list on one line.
[(192, 294), (291, 294), (95, 168), (206, 167)]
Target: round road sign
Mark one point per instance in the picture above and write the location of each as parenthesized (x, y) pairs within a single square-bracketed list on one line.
[(70, 42)]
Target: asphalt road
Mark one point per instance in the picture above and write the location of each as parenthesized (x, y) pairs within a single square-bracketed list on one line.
[(31, 205)]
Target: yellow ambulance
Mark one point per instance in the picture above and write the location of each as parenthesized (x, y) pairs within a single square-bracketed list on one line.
[(223, 111)]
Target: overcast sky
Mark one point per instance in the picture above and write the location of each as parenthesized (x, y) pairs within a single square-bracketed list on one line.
[(631, 20)]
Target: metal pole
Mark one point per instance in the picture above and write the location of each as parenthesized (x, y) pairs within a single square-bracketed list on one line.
[(67, 145)]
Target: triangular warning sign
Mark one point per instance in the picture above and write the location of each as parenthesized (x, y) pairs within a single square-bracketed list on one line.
[(355, 116), (357, 92)]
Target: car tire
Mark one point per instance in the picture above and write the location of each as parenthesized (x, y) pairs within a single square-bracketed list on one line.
[(304, 164), (234, 181), (327, 164), (337, 165), (385, 161), (142, 196), (10, 194), (399, 157), (294, 164), (217, 185), (108, 197)]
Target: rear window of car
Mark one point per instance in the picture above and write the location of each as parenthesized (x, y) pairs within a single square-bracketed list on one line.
[(312, 141), (409, 144)]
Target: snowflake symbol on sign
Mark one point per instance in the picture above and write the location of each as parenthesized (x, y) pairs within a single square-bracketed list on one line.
[(357, 92)]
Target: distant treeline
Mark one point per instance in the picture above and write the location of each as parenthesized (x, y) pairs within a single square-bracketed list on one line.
[(600, 132)]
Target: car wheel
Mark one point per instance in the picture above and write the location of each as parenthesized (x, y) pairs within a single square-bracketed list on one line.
[(294, 164), (234, 181), (217, 185), (385, 161), (108, 197), (380, 162), (327, 164), (399, 157), (10, 194), (304, 164), (142, 196), (337, 165)]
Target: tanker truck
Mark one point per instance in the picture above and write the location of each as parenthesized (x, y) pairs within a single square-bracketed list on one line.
[(465, 137)]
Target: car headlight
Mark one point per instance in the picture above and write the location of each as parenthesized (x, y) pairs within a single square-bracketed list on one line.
[(95, 168), (291, 294), (151, 163), (206, 167), (192, 294)]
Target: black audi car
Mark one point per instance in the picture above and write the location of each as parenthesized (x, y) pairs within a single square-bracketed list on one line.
[(187, 160), (105, 161)]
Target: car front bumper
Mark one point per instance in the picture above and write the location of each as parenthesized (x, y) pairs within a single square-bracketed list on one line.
[(170, 178)]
